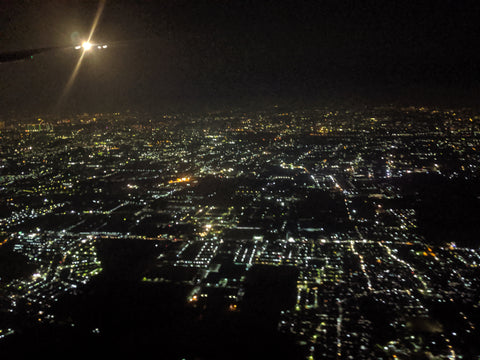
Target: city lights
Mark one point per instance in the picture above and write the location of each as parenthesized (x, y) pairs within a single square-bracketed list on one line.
[(324, 220)]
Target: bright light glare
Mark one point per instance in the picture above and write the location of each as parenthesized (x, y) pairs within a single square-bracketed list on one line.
[(86, 46)]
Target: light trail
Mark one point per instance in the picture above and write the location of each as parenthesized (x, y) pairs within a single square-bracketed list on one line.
[(408, 265), (339, 329), (362, 265)]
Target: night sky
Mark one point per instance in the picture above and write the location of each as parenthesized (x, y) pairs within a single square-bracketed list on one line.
[(197, 54)]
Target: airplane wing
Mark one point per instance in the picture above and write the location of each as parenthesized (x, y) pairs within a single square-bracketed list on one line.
[(26, 54)]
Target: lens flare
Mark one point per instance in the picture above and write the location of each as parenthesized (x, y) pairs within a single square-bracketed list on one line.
[(86, 45)]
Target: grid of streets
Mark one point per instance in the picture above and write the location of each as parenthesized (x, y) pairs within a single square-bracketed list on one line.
[(324, 193)]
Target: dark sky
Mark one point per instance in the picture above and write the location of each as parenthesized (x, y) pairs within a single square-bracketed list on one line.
[(182, 54)]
